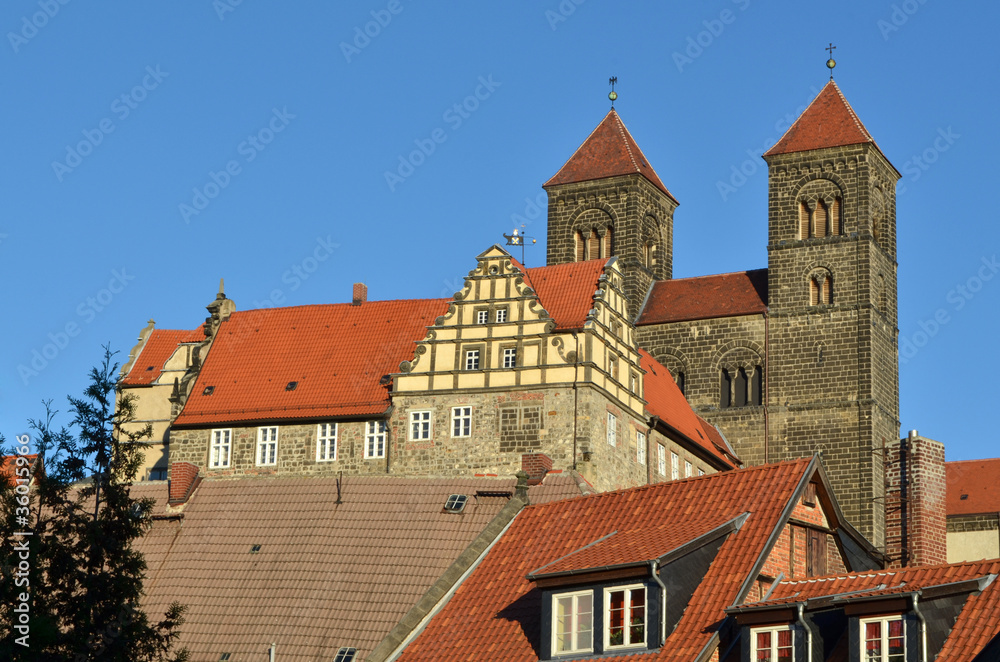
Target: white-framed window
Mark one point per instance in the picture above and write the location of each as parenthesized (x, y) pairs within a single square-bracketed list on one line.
[(675, 466), (267, 446), (573, 622), (222, 443), (701, 472), (773, 644), (461, 421), (420, 425), (624, 617), (501, 315), (613, 365), (883, 639), (482, 316), (472, 359), (640, 447), (374, 439), (661, 459), (326, 442), (510, 357), (612, 429), (688, 469), (631, 382)]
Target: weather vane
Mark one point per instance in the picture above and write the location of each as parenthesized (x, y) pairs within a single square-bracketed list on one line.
[(517, 239), (831, 63), (613, 95)]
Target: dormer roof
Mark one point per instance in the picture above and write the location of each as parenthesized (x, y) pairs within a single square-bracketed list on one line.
[(609, 151)]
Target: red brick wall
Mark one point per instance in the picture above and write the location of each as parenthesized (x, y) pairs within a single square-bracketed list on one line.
[(916, 529), (182, 476), (536, 465)]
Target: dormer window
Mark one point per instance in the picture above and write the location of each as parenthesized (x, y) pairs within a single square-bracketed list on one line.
[(625, 617), (883, 639), (772, 644), (573, 622)]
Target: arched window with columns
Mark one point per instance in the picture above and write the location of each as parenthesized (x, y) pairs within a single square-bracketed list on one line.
[(820, 288)]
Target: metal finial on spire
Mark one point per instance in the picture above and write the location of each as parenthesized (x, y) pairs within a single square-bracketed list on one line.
[(613, 95), (831, 63)]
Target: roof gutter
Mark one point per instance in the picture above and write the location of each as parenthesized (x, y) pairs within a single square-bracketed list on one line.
[(923, 625), (809, 633), (654, 571)]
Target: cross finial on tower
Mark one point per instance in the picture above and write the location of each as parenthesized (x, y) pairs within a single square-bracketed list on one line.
[(831, 63), (613, 95)]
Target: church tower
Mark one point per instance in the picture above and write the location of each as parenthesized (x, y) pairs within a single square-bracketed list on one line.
[(607, 200), (832, 379)]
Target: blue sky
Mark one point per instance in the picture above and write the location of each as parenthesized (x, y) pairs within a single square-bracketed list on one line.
[(151, 148)]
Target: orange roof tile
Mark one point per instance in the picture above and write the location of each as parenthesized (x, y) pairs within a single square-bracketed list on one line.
[(327, 574), (495, 614), (977, 624), (158, 348), (720, 442), (566, 291), (8, 465), (972, 487), (829, 121), (609, 151), (665, 400), (337, 354), (706, 297)]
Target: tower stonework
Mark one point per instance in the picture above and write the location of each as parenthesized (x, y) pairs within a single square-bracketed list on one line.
[(608, 201)]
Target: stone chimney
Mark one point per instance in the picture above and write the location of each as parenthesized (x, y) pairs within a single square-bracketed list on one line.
[(360, 294), (183, 479), (915, 509)]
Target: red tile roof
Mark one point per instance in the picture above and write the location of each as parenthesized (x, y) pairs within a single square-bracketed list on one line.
[(665, 400), (978, 623), (706, 297), (337, 353), (720, 442), (609, 151), (829, 121), (326, 575), (8, 466), (972, 487), (158, 348), (495, 614), (566, 291)]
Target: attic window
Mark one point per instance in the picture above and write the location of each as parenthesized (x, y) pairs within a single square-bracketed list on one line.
[(345, 654), (291, 386), (809, 498), (150, 368), (224, 657), (254, 549), (208, 390), (456, 503), (963, 497)]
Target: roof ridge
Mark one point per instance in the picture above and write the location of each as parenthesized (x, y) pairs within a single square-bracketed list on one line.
[(726, 273), (850, 109), (625, 138), (343, 303), (982, 459)]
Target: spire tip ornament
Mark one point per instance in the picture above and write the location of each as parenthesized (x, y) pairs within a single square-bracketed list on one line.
[(831, 63), (613, 95)]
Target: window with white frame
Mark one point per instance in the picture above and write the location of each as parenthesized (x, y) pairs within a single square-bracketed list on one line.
[(573, 622), (222, 441), (375, 439), (661, 459), (267, 446), (461, 421), (701, 472), (883, 639), (688, 469), (501, 315), (482, 316), (675, 466), (773, 644), (624, 617), (326, 442), (510, 357), (420, 425), (640, 447), (612, 429), (472, 359)]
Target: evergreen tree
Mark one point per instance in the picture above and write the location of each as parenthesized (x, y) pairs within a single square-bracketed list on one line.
[(84, 578)]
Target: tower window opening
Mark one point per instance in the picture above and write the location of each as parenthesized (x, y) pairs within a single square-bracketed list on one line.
[(581, 246), (593, 245), (725, 390), (803, 221), (740, 396), (757, 387), (608, 245), (835, 220), (820, 220)]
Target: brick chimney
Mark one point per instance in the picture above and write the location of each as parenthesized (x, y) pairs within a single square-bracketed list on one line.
[(915, 510), (183, 479), (360, 294), (536, 465)]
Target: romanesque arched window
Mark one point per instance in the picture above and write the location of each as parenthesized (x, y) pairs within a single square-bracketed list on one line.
[(740, 388), (820, 288), (725, 390), (743, 387), (580, 246), (820, 208), (608, 245)]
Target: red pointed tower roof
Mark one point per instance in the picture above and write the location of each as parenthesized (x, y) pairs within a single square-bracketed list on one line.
[(829, 121), (609, 151)]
